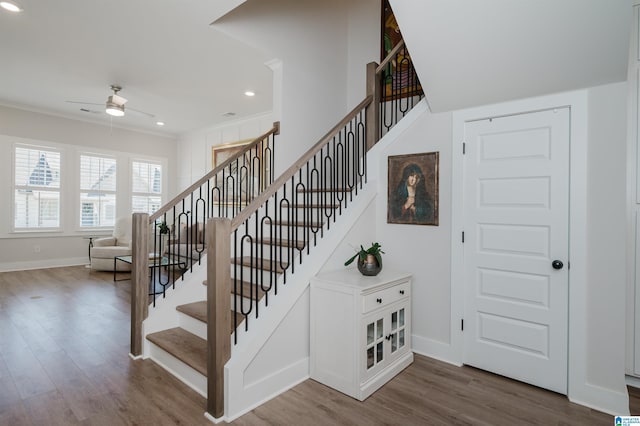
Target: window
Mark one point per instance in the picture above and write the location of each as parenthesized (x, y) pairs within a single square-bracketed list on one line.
[(36, 188), (146, 187), (97, 191)]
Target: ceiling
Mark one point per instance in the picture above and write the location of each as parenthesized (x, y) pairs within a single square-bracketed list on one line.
[(169, 61), (471, 53)]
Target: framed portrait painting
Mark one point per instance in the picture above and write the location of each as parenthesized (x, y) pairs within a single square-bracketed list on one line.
[(413, 189)]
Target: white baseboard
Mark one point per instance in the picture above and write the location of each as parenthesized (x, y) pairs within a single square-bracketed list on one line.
[(256, 394), (42, 264), (601, 399), (434, 349), (632, 381), (212, 419)]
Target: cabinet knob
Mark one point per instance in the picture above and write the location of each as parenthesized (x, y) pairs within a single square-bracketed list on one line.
[(379, 300), (401, 291)]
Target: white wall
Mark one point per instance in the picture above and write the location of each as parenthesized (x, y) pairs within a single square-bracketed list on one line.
[(598, 284), (194, 148), (312, 41), (606, 222), (67, 247), (363, 29), (425, 251), (633, 202)]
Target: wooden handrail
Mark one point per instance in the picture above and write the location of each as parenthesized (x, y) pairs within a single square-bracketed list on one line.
[(273, 188), (275, 130), (390, 56)]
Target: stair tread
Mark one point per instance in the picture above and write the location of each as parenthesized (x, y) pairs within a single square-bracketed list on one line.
[(312, 206), (198, 310), (246, 288), (183, 345), (326, 190), (308, 225), (264, 264), (284, 243)]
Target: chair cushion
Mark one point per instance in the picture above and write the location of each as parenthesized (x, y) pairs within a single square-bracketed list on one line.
[(109, 252), (106, 241), (122, 231)]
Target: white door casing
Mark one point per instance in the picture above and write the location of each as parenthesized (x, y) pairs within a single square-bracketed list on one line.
[(516, 211)]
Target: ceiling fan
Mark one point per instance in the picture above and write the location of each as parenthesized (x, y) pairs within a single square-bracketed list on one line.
[(114, 105)]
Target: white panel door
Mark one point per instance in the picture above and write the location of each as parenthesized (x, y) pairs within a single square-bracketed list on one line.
[(516, 205)]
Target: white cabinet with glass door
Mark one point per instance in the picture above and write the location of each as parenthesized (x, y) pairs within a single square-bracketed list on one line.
[(360, 329)]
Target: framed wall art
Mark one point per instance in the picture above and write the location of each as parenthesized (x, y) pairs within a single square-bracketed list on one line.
[(413, 189), (244, 178)]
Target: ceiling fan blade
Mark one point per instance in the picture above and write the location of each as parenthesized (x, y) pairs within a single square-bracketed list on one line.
[(83, 103), (92, 111), (141, 112)]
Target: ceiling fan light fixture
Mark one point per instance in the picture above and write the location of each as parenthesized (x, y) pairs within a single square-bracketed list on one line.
[(11, 6), (115, 109)]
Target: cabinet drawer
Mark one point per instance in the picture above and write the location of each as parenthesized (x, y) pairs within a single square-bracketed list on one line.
[(385, 297)]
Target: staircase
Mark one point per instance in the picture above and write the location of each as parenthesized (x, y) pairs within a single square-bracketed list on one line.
[(183, 349), (257, 232)]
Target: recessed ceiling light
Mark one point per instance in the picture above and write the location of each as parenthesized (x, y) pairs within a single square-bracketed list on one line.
[(249, 93), (10, 6), (160, 123)]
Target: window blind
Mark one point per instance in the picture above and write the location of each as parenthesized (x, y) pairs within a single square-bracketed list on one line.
[(36, 188)]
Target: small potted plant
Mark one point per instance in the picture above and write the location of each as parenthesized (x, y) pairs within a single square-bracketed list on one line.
[(163, 228), (369, 260)]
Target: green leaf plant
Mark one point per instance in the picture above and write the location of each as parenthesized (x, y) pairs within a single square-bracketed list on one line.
[(375, 250)]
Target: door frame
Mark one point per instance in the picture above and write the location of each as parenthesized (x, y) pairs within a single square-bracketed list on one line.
[(578, 389)]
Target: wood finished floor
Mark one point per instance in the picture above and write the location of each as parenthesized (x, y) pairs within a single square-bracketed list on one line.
[(64, 343)]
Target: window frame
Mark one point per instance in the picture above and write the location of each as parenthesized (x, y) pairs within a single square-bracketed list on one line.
[(15, 187), (78, 195), (161, 195)]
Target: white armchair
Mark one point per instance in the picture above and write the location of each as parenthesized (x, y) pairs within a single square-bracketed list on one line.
[(104, 250)]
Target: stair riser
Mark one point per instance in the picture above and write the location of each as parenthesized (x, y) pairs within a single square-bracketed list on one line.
[(295, 213), (296, 232), (246, 303), (323, 197), (264, 251), (179, 369), (247, 273), (192, 325)]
